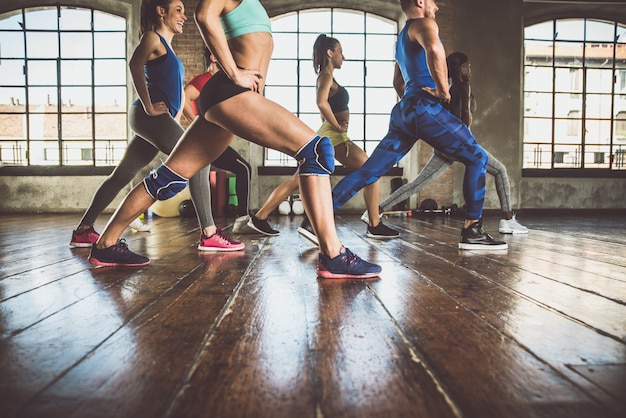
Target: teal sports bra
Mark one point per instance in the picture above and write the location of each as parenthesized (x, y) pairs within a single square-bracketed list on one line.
[(250, 16)]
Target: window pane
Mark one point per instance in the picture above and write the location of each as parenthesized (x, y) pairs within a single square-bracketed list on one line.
[(110, 72), (598, 31), (542, 31), (11, 20), (105, 21), (377, 127), (13, 99), (305, 45), (537, 79), (380, 47), (565, 104), (110, 45), (568, 54), (42, 45), (44, 18), (285, 45), (77, 152), (537, 156), (353, 46), (13, 126), (348, 22), (75, 19), (42, 73), (76, 45), (76, 99), (41, 98), (597, 156), (380, 100), (110, 99), (315, 21), (538, 52), (307, 73), (76, 72), (44, 152), (597, 132), (351, 73), (77, 125), (12, 73), (599, 81), (598, 106), (375, 24), (538, 104), (111, 126), (569, 80), (43, 126), (283, 72), (308, 100), (538, 130), (287, 23), (109, 152), (568, 131), (570, 30), (380, 74), (284, 96), (599, 55), (12, 45)]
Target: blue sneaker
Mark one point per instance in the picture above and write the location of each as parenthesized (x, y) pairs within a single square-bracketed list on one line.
[(116, 255), (346, 265)]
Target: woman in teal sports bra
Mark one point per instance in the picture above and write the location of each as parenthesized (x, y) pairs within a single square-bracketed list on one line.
[(243, 47)]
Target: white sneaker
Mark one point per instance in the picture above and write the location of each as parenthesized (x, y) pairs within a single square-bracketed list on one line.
[(511, 226), (366, 217), (241, 225), (139, 226), (284, 208), (297, 208)]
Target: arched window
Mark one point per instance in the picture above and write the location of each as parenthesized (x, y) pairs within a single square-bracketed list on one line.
[(62, 87), (575, 95), (367, 73)]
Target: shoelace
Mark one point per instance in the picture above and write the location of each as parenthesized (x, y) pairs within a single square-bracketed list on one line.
[(351, 258), (121, 246), (222, 237)]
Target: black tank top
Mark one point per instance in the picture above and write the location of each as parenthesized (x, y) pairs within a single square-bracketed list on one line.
[(339, 101)]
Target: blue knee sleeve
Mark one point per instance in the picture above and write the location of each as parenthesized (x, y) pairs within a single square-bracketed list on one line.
[(163, 183), (316, 157)]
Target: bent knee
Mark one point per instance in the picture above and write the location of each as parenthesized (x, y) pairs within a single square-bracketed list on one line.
[(163, 183)]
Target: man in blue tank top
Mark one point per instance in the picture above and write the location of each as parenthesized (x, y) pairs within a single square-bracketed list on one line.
[(421, 80)]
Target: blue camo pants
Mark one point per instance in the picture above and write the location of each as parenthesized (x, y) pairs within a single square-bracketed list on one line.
[(422, 117)]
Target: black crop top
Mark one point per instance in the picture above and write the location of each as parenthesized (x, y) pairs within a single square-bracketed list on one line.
[(339, 101)]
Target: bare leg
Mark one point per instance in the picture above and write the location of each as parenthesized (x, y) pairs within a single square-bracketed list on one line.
[(279, 194)]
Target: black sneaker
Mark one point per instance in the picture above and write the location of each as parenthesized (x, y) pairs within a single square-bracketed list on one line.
[(306, 230), (381, 231), (346, 265), (475, 238), (116, 255), (261, 225)]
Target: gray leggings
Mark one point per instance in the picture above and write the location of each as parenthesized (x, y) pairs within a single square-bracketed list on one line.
[(152, 134), (436, 166)]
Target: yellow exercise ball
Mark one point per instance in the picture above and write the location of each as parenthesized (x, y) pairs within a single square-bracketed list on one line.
[(170, 208)]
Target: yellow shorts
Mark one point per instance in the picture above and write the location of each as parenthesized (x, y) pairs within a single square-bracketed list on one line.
[(335, 137)]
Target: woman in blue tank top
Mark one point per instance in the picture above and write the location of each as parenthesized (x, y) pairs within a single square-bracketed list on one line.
[(157, 75)]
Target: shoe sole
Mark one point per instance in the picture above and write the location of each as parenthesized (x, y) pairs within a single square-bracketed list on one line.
[(80, 244), (324, 274), (369, 235), (512, 231), (251, 225), (97, 262), (308, 235), (464, 246), (218, 249)]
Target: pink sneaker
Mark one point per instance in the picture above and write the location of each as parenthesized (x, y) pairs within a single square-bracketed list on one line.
[(85, 238), (219, 242)]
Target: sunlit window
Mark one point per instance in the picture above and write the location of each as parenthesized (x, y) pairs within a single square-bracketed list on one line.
[(367, 73), (575, 95), (62, 87)]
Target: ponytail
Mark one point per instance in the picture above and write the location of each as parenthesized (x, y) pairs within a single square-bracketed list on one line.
[(322, 44)]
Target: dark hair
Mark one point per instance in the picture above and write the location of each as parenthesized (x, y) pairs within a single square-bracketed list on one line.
[(206, 53), (322, 44), (149, 16), (454, 61)]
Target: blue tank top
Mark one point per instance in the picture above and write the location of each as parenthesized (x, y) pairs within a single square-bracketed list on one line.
[(249, 16), (164, 78), (411, 59), (339, 101)]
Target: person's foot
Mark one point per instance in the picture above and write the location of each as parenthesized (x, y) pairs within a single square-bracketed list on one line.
[(306, 230), (84, 239), (475, 238), (241, 225), (261, 225), (366, 216), (381, 231), (139, 226), (346, 265), (116, 255), (219, 242), (511, 226)]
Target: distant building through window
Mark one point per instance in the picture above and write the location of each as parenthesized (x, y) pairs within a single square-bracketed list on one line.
[(62, 87), (575, 94)]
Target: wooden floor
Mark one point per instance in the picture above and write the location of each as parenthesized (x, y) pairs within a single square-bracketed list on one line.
[(538, 330)]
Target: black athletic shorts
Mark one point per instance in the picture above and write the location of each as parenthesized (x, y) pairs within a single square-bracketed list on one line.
[(216, 90)]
